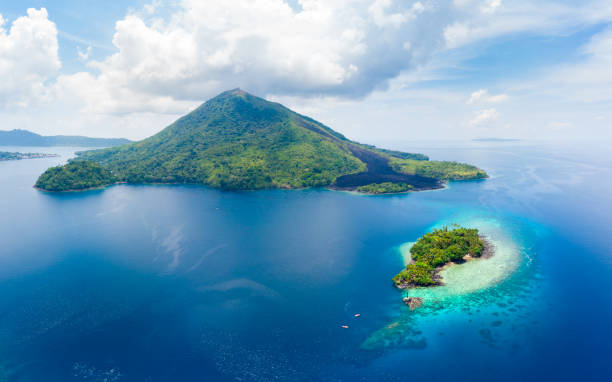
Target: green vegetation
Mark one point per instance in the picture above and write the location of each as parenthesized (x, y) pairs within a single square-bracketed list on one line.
[(76, 175), (237, 141), (417, 274), (385, 188), (437, 169), (434, 250)]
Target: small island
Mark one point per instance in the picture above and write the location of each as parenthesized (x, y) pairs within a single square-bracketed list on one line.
[(434, 250), (385, 188), (4, 156)]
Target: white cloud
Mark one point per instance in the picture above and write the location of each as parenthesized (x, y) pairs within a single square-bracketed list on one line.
[(325, 55), (587, 80), (477, 20), (484, 117), (382, 19), (484, 6), (483, 96), (571, 99), (490, 6), (379, 11), (84, 54), (28, 58), (333, 47), (338, 48), (151, 8)]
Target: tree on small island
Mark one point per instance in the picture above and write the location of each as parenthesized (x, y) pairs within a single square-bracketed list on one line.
[(436, 249), (385, 188)]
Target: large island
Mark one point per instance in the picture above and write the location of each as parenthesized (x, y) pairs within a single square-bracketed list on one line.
[(237, 141)]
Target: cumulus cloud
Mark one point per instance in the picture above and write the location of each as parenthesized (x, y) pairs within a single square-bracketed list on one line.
[(28, 58), (331, 47), (340, 48), (167, 59), (483, 96), (483, 117), (383, 19)]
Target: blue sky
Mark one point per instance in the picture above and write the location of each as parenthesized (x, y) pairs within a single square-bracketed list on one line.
[(376, 70), (79, 23)]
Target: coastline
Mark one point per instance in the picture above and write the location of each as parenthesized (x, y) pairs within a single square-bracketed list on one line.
[(464, 285), (330, 188), (102, 187), (354, 190), (472, 276)]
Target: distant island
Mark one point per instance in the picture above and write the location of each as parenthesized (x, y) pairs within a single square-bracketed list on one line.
[(4, 156), (436, 249), (496, 140), (237, 141), (28, 138)]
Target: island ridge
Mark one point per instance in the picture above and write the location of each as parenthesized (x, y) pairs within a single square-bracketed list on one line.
[(237, 141), (18, 137)]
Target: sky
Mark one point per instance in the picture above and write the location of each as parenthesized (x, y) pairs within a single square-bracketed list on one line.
[(375, 70)]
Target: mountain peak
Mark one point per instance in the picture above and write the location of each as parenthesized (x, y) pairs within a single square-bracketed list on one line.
[(234, 92)]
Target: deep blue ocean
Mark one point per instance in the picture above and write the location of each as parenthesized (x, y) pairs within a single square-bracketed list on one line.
[(185, 283)]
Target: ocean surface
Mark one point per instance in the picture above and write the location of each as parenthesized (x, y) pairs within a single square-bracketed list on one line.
[(185, 283)]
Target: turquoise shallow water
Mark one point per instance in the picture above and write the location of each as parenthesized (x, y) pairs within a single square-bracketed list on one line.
[(474, 275), (157, 283), (492, 285), (478, 275)]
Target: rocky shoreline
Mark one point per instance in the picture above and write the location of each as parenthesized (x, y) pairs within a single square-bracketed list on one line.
[(489, 248), (413, 302)]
